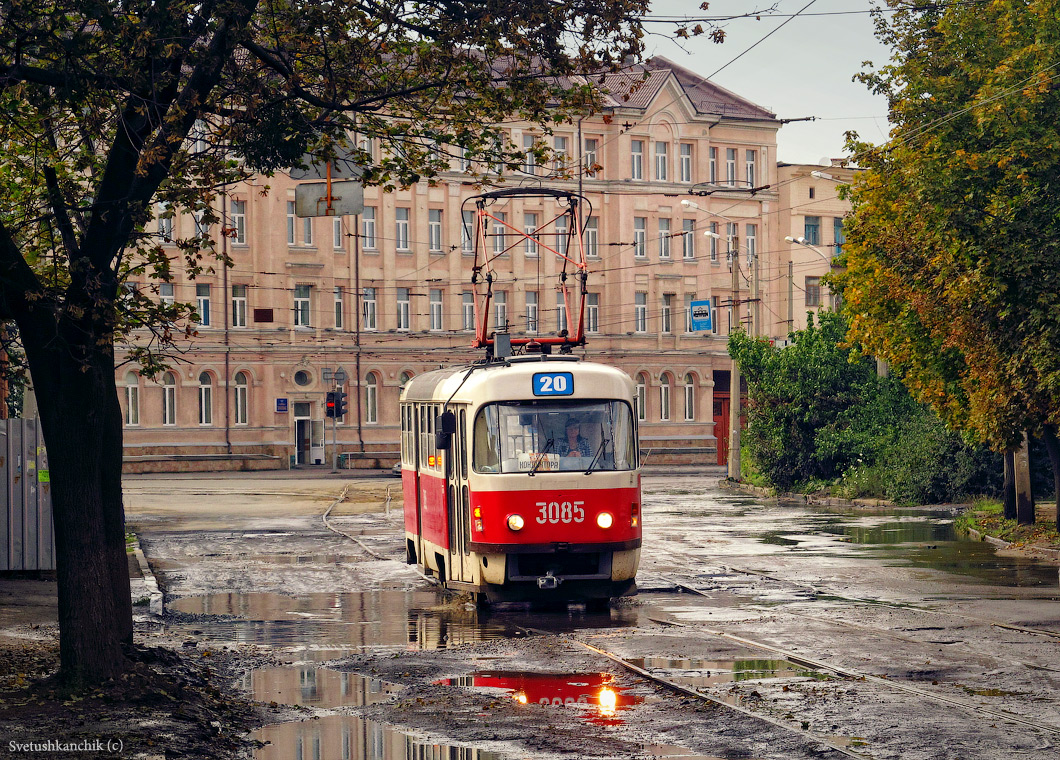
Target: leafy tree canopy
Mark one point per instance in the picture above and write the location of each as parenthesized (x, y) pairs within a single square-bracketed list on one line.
[(953, 247)]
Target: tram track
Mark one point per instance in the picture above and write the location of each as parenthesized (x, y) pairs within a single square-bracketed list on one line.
[(854, 674)]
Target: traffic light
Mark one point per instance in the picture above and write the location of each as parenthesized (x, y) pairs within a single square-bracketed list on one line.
[(329, 404), (340, 403)]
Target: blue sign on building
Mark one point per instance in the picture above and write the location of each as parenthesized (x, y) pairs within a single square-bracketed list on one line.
[(701, 315), (281, 406)]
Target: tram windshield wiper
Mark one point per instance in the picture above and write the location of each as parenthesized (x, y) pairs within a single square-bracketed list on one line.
[(541, 457), (599, 450)]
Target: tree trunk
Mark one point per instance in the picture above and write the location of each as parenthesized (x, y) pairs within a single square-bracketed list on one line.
[(1052, 445), (1024, 484), (72, 366), (1008, 496)]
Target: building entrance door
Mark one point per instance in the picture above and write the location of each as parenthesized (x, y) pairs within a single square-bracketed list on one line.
[(302, 432), (721, 427)]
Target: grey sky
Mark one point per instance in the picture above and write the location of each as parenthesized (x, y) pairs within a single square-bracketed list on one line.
[(804, 69)]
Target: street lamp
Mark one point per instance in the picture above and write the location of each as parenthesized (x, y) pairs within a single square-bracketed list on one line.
[(800, 240), (821, 175)]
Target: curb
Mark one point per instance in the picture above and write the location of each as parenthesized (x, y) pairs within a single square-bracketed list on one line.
[(146, 586), (1000, 543)]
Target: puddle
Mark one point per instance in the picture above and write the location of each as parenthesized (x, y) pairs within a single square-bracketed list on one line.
[(316, 687), (409, 620), (341, 737), (700, 673), (595, 695)]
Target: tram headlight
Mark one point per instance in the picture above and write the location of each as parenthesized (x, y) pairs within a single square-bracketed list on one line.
[(605, 520), (515, 522)]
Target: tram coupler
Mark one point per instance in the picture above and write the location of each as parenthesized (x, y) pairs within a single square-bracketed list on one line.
[(548, 581)]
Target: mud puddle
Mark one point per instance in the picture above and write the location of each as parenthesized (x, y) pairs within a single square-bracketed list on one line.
[(316, 687), (696, 673)]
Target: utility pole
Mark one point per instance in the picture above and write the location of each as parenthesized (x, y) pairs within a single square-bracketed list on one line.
[(791, 296), (734, 375)]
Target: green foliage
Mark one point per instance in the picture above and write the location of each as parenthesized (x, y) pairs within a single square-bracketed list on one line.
[(820, 418), (953, 247)]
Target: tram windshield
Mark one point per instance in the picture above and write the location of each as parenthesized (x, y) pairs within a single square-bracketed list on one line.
[(536, 437)]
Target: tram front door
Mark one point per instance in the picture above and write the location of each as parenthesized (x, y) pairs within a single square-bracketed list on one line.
[(459, 505)]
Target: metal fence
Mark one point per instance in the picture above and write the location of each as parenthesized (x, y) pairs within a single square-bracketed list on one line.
[(26, 533)]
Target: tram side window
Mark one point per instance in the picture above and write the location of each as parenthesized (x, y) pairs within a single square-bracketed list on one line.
[(486, 444)]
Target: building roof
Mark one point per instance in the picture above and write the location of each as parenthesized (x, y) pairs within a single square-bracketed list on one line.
[(638, 85)]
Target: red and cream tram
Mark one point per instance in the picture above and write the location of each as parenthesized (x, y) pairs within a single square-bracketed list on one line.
[(521, 480)]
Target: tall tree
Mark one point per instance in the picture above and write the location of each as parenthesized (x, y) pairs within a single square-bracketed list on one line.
[(109, 108), (953, 246)]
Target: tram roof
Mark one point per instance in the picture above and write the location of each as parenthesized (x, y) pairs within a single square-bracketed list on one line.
[(513, 379)]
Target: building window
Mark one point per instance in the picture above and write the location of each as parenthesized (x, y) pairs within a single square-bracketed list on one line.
[(499, 226), (165, 222), (713, 166), (434, 230), (592, 317), (169, 399), (664, 238), (732, 240), (561, 312), (500, 310), (812, 230), (165, 293), (467, 310), (290, 222), (529, 159), (403, 308), (467, 229), (241, 406), (714, 235), (307, 231), (531, 311), (436, 309), (202, 229), (686, 162), (465, 160), (369, 309), (592, 237), (301, 305), (689, 298), (530, 228), (238, 211), (813, 193), (688, 238), (239, 306), (205, 399), (640, 236), (368, 146), (751, 161), (813, 291), (751, 241), (838, 235), (714, 327), (640, 312), (339, 309), (132, 399), (666, 315), (336, 233), (401, 228), (371, 398), (636, 159), (641, 399), (560, 151), (730, 166), (664, 398), (662, 161), (368, 227), (690, 398), (589, 156)]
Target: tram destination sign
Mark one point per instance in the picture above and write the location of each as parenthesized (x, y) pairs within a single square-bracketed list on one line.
[(701, 312), (553, 383)]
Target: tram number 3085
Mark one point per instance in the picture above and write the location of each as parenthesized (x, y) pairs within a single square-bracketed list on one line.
[(560, 512)]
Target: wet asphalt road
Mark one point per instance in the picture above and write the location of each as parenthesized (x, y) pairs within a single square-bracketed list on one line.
[(867, 634)]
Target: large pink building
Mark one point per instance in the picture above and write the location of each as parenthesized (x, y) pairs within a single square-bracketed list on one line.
[(384, 295)]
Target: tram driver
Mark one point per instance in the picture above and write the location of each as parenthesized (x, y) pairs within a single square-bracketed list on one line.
[(574, 445)]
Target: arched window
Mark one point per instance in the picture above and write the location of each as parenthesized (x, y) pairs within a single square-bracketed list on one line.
[(169, 399), (405, 377), (205, 399), (641, 399), (241, 398), (690, 397), (371, 398), (132, 399), (664, 396)]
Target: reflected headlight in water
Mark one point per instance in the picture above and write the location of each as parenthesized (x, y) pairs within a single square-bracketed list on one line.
[(519, 697), (605, 520), (515, 522), (608, 702)]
